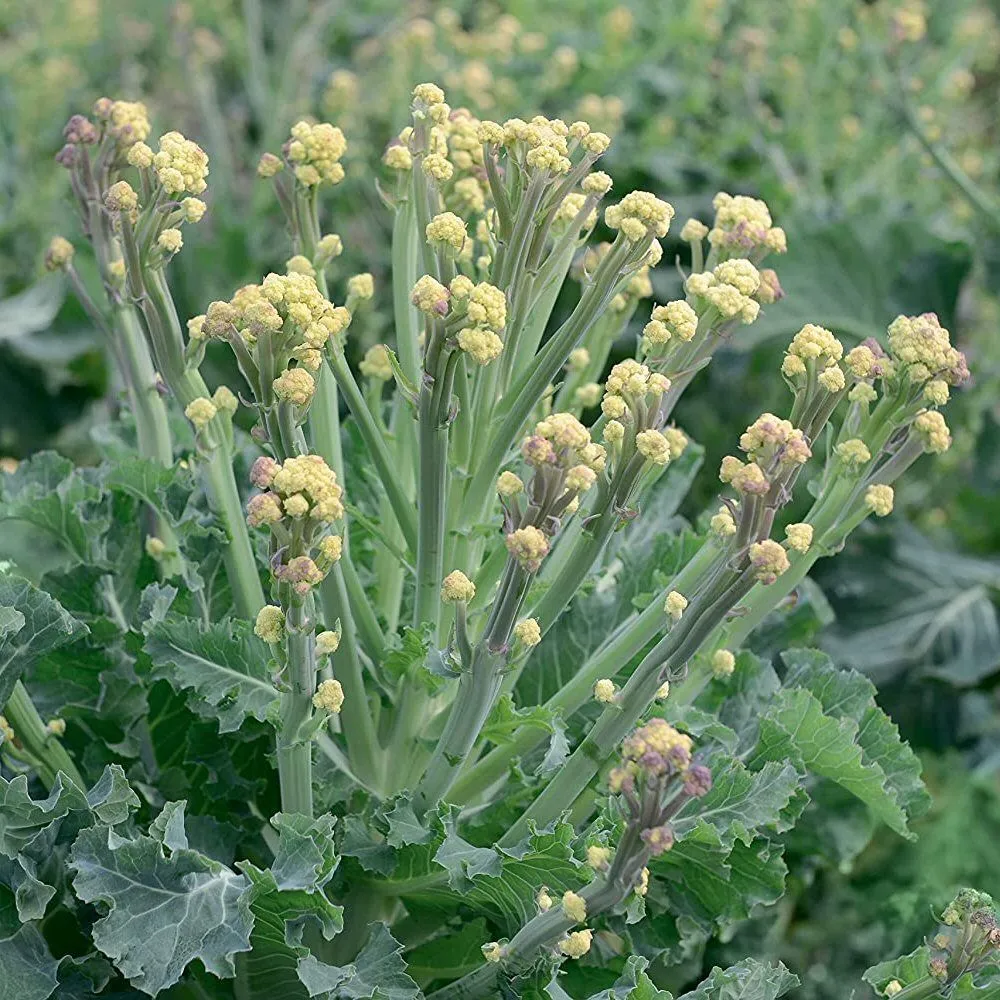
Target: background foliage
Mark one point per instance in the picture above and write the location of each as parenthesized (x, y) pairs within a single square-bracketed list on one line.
[(881, 160)]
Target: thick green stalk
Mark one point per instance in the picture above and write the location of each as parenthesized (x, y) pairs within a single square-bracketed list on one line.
[(374, 440), (35, 737), (359, 729), (522, 399), (477, 690), (624, 644), (294, 751), (615, 723)]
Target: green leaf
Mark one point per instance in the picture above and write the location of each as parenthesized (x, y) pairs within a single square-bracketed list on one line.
[(44, 625), (32, 830), (450, 955), (748, 980), (505, 720), (281, 917), (404, 825), (848, 693), (305, 858), (796, 729), (27, 969), (741, 802), (164, 909), (60, 504), (223, 666), (378, 970), (906, 969), (968, 989), (633, 984)]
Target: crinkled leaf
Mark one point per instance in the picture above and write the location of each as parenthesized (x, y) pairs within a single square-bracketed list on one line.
[(506, 720), (27, 969), (557, 751), (633, 984), (848, 693), (164, 909), (795, 728), (44, 625), (748, 980), (222, 665), (906, 969), (378, 970), (281, 917), (31, 830), (404, 825), (450, 955), (305, 858), (742, 802), (987, 988), (371, 852)]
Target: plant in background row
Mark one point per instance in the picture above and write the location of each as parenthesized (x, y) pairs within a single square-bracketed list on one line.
[(416, 725)]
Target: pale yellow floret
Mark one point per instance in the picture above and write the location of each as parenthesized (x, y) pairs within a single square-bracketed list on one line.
[(300, 264), (128, 121), (640, 214), (270, 624), (722, 524), (574, 907), (528, 632), (853, 452), (331, 548), (269, 166), (769, 560), (528, 546), (578, 360), (614, 432), (57, 727), (799, 536), (193, 209), (598, 857), (675, 604), (155, 547), (576, 944), (397, 157), (316, 151), (483, 346), (295, 386), (933, 432), (59, 253), (446, 232), (678, 319), (597, 183), (361, 286), (487, 306), (723, 663), (509, 484), (6, 730), (327, 643), (740, 273), (587, 395), (180, 164), (170, 240), (310, 476), (893, 987), (328, 247), (457, 587), (200, 411), (376, 363), (832, 378), (140, 156), (430, 296), (438, 167), (693, 231), (863, 393), (329, 696), (544, 900), (936, 392), (605, 691), (653, 445), (225, 400), (663, 691), (492, 951)]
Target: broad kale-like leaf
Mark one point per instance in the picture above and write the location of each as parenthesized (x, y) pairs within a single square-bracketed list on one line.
[(286, 899), (748, 980), (633, 984), (164, 908), (31, 830), (846, 693), (223, 666), (33, 625), (27, 969), (450, 955), (379, 970)]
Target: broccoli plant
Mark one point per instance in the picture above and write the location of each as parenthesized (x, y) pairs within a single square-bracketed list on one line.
[(429, 691)]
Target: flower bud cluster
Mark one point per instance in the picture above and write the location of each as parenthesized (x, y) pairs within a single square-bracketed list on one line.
[(729, 288), (743, 228), (314, 152), (301, 498)]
